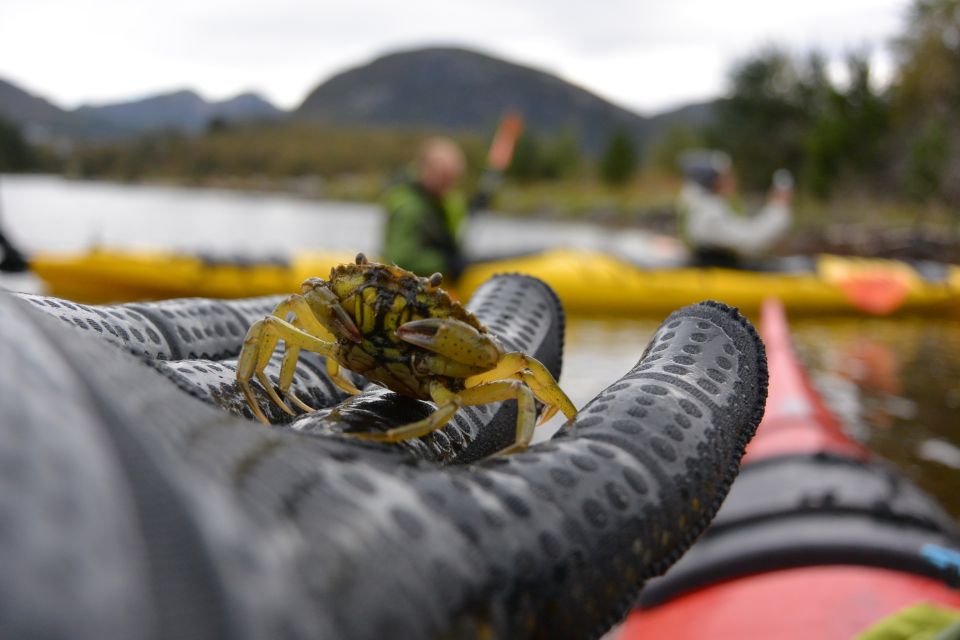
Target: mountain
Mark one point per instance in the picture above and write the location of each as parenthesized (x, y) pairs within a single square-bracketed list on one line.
[(15, 103), (458, 89), (246, 106), (180, 110), (39, 118), (696, 114), (435, 88)]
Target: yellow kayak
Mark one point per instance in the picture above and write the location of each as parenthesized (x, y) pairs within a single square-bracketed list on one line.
[(588, 282)]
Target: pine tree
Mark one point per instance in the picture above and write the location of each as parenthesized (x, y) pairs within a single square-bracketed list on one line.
[(619, 160)]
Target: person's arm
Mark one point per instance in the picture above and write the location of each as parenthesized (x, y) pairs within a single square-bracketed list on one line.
[(711, 223), (769, 226), (498, 159), (487, 187)]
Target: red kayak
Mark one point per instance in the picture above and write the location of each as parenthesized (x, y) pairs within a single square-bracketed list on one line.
[(817, 539)]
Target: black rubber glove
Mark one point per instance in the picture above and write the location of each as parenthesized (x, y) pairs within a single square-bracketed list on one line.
[(131, 509)]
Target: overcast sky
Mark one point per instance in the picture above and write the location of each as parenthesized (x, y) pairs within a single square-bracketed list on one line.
[(647, 55)]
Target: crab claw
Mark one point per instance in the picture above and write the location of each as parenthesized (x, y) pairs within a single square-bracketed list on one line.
[(326, 306), (453, 339)]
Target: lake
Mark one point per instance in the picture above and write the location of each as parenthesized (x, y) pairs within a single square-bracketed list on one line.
[(894, 382)]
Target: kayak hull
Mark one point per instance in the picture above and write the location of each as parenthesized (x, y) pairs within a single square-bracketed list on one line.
[(101, 277), (817, 538), (588, 283), (823, 602), (601, 284)]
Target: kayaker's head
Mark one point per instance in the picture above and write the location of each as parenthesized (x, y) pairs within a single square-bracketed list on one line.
[(711, 170), (440, 165)]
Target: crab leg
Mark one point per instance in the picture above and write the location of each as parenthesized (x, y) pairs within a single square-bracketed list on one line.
[(287, 369), (448, 403), (549, 393), (336, 376), (257, 349), (519, 366), (303, 316), (304, 319), (462, 350), (507, 390), (417, 429), (258, 346), (447, 406)]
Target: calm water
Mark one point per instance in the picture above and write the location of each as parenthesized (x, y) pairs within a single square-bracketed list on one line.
[(51, 213), (895, 383)]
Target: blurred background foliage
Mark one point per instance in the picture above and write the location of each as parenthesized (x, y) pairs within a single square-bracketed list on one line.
[(848, 135), (15, 153)]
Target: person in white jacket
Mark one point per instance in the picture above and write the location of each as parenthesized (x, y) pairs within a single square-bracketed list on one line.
[(717, 234)]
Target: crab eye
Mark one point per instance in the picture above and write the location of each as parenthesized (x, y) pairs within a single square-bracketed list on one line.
[(436, 279), (361, 259)]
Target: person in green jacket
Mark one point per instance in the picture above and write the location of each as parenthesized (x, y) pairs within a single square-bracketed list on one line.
[(427, 213)]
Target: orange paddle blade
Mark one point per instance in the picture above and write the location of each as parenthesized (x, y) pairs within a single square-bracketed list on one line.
[(504, 142)]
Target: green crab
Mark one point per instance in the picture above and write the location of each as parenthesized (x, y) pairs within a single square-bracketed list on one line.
[(405, 333)]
